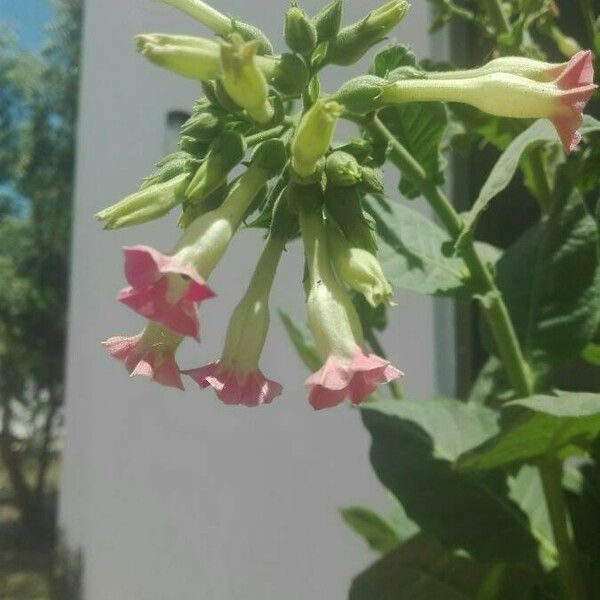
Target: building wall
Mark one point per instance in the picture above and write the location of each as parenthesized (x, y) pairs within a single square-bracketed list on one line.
[(172, 495)]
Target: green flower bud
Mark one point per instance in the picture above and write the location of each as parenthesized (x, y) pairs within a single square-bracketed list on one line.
[(222, 24), (203, 126), (225, 153), (197, 148), (195, 58), (342, 169), (169, 167), (192, 210), (243, 80), (300, 34), (290, 76), (358, 268), (314, 135), (362, 94), (372, 180), (224, 100), (352, 42), (250, 33), (344, 205), (149, 203), (327, 21), (360, 148)]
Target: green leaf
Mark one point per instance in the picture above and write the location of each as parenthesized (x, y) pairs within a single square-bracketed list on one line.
[(543, 427), (591, 354), (302, 340), (379, 534), (551, 284), (411, 251), (414, 446), (421, 569), (503, 172), (420, 128), (491, 384)]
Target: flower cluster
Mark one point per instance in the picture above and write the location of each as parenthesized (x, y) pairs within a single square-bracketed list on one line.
[(295, 182)]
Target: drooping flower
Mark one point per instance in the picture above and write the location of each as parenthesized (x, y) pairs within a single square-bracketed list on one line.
[(163, 289), (236, 377), (348, 370), (167, 289), (150, 353)]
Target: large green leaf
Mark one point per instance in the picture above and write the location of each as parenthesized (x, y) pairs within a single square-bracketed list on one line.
[(414, 446), (411, 251), (551, 283), (421, 569), (302, 340), (504, 170), (544, 427), (420, 128), (379, 533)]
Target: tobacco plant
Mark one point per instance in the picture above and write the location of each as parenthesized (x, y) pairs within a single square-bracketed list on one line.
[(496, 495)]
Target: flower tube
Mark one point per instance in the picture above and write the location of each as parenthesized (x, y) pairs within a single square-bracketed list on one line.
[(505, 95), (236, 377), (348, 371)]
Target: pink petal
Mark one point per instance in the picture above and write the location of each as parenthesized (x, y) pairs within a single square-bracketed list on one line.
[(146, 271), (569, 121), (253, 389), (578, 72), (354, 377), (157, 364)]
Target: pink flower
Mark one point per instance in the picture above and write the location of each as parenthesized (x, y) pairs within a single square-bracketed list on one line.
[(151, 354), (232, 387), (577, 81), (355, 377), (163, 289)]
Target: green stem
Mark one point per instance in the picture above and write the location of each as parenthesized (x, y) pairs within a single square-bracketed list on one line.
[(541, 182), (376, 346), (551, 472), (497, 16), (493, 305), (498, 318)]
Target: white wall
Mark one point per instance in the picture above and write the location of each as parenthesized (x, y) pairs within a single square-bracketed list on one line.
[(172, 495)]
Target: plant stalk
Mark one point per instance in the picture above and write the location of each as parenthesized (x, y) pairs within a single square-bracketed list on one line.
[(588, 18), (498, 318), (493, 304), (551, 472), (497, 16)]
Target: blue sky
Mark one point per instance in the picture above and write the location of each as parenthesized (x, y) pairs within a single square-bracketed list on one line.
[(27, 19)]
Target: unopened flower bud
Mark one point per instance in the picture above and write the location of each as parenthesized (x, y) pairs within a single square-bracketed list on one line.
[(327, 21), (314, 135), (344, 204), (170, 166), (300, 34), (204, 125), (222, 24), (342, 169), (372, 179), (187, 56), (358, 268), (225, 153), (352, 42), (290, 75), (243, 80), (362, 94), (506, 95), (149, 203)]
